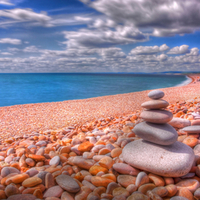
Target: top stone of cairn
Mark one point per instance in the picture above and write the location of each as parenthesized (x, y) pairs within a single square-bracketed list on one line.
[(156, 94)]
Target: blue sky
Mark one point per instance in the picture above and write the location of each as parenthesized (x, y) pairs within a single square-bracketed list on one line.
[(99, 35)]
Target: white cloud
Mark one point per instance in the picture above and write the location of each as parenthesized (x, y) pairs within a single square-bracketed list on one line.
[(31, 49), (10, 41), (99, 59), (179, 50), (165, 17), (103, 38), (83, 19), (23, 15), (163, 47), (162, 57), (6, 53), (6, 2), (145, 50)]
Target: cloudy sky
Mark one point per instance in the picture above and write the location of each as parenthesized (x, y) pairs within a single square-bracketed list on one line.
[(99, 35)]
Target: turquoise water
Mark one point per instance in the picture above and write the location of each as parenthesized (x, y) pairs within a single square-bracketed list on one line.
[(37, 88)]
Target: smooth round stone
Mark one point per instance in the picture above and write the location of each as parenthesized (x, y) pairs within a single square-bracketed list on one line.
[(54, 191), (31, 182), (123, 168), (155, 104), (8, 170), (138, 195), (55, 160), (22, 197), (156, 94), (156, 116), (192, 129), (126, 180), (179, 122), (190, 184), (141, 179), (67, 183), (162, 134), (171, 161), (197, 193)]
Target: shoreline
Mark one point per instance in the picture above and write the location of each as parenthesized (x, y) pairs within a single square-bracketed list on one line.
[(27, 118)]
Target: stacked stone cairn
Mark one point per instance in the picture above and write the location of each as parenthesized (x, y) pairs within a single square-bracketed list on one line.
[(158, 151)]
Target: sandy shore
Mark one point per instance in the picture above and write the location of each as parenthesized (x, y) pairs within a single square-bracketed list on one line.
[(24, 119)]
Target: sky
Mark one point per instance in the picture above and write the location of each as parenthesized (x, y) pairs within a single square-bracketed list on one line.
[(65, 36)]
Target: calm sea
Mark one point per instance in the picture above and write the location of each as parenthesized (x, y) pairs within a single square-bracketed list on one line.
[(36, 88)]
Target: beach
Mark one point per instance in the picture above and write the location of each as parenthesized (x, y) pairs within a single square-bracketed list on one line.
[(25, 119), (91, 149)]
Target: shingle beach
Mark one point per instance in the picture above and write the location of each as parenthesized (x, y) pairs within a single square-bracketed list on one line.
[(72, 150)]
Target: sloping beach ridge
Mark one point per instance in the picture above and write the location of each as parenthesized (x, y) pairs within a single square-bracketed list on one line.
[(78, 149)]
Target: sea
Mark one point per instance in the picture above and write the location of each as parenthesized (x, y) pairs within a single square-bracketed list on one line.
[(29, 88)]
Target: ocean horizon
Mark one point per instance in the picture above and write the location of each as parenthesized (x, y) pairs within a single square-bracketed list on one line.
[(28, 88)]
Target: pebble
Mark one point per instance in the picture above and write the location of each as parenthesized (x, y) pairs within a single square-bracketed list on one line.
[(138, 196), (179, 122), (96, 169), (111, 186), (195, 122), (67, 183), (19, 178), (141, 179), (190, 184), (160, 160), (162, 134), (157, 180), (85, 146), (120, 191), (22, 197), (155, 104), (11, 189), (106, 162), (192, 129), (123, 168), (31, 182), (54, 191), (100, 181), (8, 170), (156, 94), (126, 180), (55, 160), (156, 116), (144, 188)]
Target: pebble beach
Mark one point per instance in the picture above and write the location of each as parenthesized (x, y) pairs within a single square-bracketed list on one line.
[(74, 150)]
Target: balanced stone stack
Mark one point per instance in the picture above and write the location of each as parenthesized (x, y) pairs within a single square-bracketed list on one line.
[(158, 151)]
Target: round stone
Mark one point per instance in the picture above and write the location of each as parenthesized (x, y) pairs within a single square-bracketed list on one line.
[(54, 191), (22, 197), (162, 134), (179, 122), (156, 116), (67, 183), (155, 104), (171, 161), (156, 94), (192, 129), (55, 160)]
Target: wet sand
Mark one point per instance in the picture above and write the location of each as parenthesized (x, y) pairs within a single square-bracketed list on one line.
[(24, 119)]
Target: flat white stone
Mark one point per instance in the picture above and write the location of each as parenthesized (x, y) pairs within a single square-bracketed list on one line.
[(192, 129), (155, 104), (162, 134), (156, 116), (156, 94), (170, 161)]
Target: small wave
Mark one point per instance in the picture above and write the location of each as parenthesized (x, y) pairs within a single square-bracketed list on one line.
[(186, 82)]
